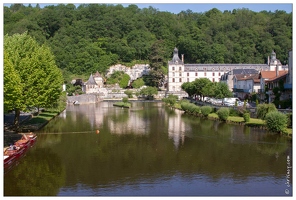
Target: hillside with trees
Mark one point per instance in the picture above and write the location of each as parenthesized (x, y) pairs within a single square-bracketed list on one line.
[(92, 37)]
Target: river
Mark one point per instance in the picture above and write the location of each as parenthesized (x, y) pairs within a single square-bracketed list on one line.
[(150, 150)]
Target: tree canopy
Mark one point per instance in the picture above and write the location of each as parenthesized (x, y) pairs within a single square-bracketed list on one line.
[(31, 77), (92, 37)]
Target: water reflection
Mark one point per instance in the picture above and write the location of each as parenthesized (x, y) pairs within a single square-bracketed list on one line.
[(149, 150)]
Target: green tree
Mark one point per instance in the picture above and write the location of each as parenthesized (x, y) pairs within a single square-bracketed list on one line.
[(149, 91), (124, 81), (138, 83), (189, 87), (222, 91), (156, 63), (12, 87), (199, 84), (170, 100), (41, 80)]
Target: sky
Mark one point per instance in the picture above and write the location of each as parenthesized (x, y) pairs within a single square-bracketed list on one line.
[(177, 6)]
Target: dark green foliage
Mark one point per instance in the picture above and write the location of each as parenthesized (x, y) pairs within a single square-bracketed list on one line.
[(246, 117), (205, 110), (233, 112), (276, 121), (92, 37), (264, 109), (120, 78), (223, 113), (289, 120)]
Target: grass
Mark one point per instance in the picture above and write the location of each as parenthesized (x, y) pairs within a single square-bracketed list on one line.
[(42, 118), (122, 104)]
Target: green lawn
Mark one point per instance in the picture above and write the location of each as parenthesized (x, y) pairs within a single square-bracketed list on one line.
[(42, 118), (122, 104)]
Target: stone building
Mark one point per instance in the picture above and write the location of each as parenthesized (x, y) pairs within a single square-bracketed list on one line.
[(179, 72)]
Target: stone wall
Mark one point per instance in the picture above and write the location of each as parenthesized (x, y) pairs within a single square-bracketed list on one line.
[(84, 98)]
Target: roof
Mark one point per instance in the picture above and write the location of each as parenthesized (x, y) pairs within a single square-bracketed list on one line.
[(245, 71), (244, 77), (176, 58), (97, 74), (91, 81), (271, 75)]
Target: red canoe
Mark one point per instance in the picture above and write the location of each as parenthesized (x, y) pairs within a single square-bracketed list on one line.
[(13, 153)]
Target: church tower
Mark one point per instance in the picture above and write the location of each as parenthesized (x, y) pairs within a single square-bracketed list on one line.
[(175, 72)]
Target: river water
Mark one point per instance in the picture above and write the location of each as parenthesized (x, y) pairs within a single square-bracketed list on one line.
[(150, 150)]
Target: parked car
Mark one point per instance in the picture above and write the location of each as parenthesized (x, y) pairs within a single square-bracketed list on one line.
[(217, 101), (241, 103)]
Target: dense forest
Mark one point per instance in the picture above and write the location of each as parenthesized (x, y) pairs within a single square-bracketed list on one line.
[(92, 37)]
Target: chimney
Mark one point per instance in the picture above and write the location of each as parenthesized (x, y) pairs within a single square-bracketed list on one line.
[(182, 58), (277, 70)]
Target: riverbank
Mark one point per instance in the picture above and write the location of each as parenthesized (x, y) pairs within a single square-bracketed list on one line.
[(254, 122), (28, 123)]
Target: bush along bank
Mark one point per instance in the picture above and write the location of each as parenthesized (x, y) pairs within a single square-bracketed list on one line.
[(271, 119)]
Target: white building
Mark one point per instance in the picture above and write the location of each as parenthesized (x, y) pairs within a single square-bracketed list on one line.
[(179, 73)]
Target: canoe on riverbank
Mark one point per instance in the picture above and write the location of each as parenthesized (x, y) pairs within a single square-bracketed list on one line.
[(16, 151)]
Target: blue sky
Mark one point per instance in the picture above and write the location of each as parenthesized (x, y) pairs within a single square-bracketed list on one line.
[(177, 6)]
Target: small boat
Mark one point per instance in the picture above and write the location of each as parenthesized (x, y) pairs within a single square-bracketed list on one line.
[(16, 151)]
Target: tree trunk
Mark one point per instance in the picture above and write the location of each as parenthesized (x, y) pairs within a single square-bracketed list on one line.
[(16, 122)]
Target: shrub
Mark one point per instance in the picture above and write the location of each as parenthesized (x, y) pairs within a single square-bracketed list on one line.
[(206, 110), (125, 100), (129, 93), (223, 113), (190, 108), (289, 120), (233, 112), (276, 121), (246, 117), (263, 109)]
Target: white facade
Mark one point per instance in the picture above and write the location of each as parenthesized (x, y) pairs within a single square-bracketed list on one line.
[(179, 73)]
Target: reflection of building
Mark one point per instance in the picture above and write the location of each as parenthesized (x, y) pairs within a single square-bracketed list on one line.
[(176, 129)]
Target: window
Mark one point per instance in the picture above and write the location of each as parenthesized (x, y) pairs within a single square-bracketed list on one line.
[(219, 74), (173, 73), (180, 68), (205, 73), (187, 74), (213, 73), (173, 68), (173, 79), (180, 80), (196, 74), (180, 74)]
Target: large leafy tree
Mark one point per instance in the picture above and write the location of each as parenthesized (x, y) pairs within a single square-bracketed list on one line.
[(157, 62), (199, 84), (12, 86), (38, 76)]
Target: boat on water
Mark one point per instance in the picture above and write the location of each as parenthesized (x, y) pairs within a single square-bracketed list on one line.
[(16, 151)]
